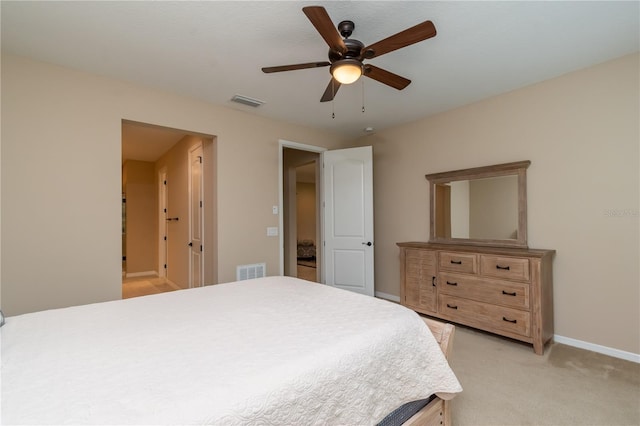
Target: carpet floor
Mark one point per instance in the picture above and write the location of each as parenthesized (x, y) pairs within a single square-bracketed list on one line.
[(506, 383)]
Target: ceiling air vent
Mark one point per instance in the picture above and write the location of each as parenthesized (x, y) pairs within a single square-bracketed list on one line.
[(245, 100)]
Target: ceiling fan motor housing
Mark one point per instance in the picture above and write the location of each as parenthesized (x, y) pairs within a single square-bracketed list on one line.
[(353, 50)]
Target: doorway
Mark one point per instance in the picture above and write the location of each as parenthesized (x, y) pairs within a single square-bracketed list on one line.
[(344, 243), (301, 255), (168, 178), (307, 222)]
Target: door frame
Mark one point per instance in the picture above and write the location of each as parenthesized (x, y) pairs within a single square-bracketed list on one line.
[(163, 258), (193, 150), (282, 144)]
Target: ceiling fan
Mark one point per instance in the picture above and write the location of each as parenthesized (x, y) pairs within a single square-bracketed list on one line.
[(346, 55)]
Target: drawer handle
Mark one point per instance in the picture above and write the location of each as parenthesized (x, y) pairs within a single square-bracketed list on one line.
[(456, 262), (508, 294), (504, 268), (433, 281), (452, 306), (450, 283), (508, 320)]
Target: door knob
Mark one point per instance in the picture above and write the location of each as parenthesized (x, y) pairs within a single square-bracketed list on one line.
[(368, 243)]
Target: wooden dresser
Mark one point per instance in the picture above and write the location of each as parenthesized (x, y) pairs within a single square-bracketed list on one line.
[(506, 291)]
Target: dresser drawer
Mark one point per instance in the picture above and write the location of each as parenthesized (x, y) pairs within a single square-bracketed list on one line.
[(497, 292), (459, 262), (511, 268), (485, 316)]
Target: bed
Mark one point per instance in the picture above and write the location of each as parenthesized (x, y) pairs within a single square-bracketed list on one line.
[(268, 351), (306, 249)]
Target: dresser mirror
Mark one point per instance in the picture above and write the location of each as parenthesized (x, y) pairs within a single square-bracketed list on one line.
[(482, 205)]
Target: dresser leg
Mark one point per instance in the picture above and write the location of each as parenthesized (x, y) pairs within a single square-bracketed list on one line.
[(538, 347)]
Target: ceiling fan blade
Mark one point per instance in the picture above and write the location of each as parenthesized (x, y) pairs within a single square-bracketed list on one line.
[(296, 67), (321, 20), (386, 77), (402, 39), (330, 91)]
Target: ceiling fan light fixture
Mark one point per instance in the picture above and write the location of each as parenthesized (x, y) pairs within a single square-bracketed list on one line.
[(346, 71)]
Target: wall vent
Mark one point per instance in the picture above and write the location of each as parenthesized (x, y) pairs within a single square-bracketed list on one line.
[(248, 272), (245, 100)]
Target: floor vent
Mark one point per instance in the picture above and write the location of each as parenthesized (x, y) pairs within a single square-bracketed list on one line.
[(247, 272)]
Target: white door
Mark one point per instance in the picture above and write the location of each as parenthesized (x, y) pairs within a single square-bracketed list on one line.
[(196, 265), (348, 219)]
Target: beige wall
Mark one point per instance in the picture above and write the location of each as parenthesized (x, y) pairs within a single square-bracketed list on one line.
[(140, 189), (61, 226), (581, 133)]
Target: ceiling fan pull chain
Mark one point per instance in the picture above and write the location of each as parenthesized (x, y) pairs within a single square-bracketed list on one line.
[(363, 95), (333, 102)]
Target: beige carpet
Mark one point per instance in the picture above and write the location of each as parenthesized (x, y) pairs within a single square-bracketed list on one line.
[(506, 383)]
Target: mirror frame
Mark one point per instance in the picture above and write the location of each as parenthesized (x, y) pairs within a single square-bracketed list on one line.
[(518, 168)]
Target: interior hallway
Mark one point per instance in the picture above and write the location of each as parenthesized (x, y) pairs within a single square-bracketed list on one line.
[(151, 284), (144, 286)]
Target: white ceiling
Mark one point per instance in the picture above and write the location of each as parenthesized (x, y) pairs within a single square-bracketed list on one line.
[(212, 50)]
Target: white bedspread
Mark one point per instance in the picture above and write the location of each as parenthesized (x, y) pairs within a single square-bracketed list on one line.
[(275, 350)]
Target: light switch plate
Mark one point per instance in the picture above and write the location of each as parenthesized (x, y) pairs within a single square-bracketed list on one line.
[(272, 231)]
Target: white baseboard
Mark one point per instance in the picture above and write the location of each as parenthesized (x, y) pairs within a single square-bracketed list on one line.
[(386, 296), (141, 274), (616, 353)]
